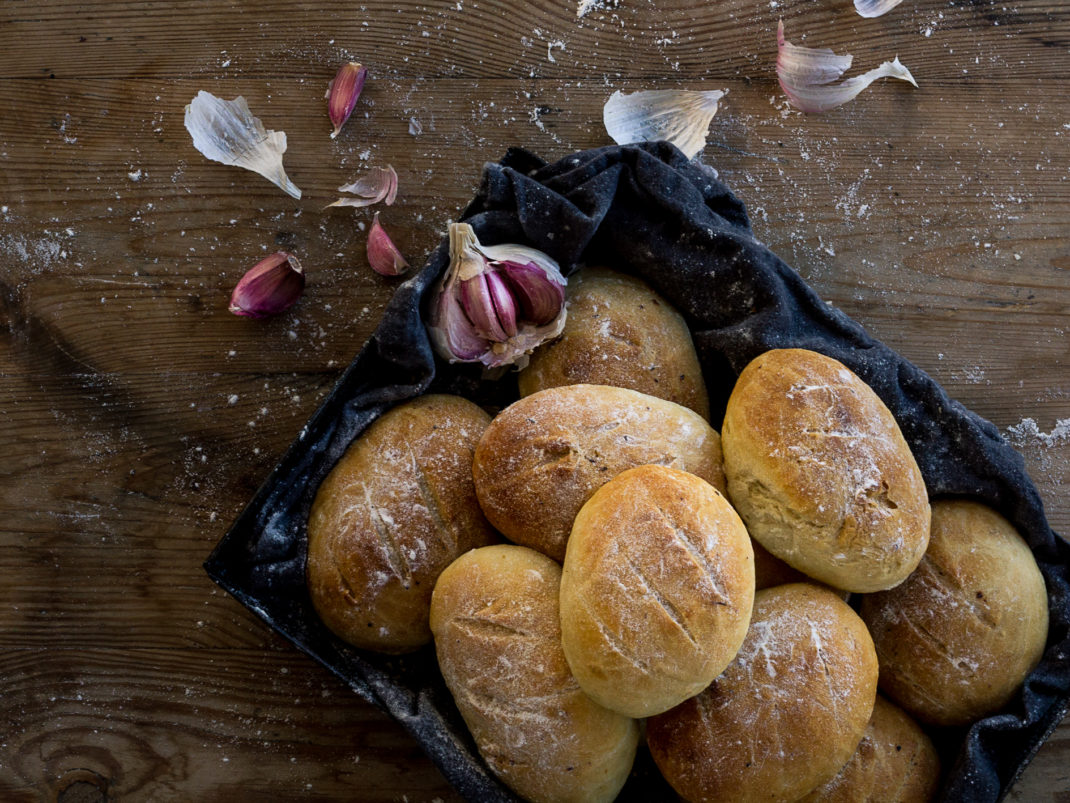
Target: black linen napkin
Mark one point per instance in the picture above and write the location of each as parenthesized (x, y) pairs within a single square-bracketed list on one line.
[(644, 209)]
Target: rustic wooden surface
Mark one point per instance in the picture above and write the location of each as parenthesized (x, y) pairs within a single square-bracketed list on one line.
[(137, 416)]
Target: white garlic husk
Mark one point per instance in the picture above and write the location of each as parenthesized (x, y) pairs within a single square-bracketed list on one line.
[(495, 304), (226, 131), (680, 116), (807, 75)]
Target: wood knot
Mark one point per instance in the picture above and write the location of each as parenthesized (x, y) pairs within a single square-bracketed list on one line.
[(82, 786)]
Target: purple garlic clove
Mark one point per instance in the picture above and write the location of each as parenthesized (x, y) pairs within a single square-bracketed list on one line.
[(539, 297), (383, 255), (342, 93), (271, 286), (489, 306)]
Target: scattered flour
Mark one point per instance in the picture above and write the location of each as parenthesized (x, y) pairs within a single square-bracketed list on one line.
[(40, 255), (585, 6), (1027, 431)]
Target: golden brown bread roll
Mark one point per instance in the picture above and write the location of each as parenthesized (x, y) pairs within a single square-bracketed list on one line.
[(786, 714), (620, 332), (821, 474), (394, 512), (958, 638), (657, 590), (895, 763), (543, 456), (497, 631)]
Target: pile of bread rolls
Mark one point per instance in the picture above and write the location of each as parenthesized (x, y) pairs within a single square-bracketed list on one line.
[(596, 564)]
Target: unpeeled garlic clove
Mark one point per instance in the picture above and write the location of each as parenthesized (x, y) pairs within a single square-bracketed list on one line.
[(452, 332), (495, 304), (271, 286), (342, 93), (540, 298), (489, 306), (383, 255)]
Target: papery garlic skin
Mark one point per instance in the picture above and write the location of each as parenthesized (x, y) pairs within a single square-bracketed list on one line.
[(226, 131), (380, 184), (383, 256), (495, 304), (875, 8), (272, 285), (678, 115), (806, 75), (342, 93)]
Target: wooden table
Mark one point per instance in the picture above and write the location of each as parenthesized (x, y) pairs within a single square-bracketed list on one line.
[(137, 416)]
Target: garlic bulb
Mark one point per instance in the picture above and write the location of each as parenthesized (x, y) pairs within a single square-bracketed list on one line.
[(495, 303)]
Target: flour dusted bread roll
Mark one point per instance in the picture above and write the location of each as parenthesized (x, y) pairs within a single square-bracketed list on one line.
[(895, 763), (657, 590), (821, 474), (497, 631), (958, 638), (543, 456), (393, 513), (786, 714), (620, 332)]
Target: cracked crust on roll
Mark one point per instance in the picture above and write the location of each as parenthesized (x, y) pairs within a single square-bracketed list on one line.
[(395, 510), (818, 469), (787, 713), (543, 456), (959, 637)]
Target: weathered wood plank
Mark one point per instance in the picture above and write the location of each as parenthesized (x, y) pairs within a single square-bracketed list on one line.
[(476, 39)]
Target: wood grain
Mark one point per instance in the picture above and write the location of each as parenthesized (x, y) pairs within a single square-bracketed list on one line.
[(137, 416), (143, 724)]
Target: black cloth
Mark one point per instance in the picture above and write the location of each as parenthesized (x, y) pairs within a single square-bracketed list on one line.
[(647, 210)]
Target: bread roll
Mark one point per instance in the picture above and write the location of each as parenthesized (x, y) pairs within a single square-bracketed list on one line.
[(620, 332), (497, 631), (657, 590), (958, 638), (821, 474), (393, 513), (786, 714), (895, 763), (544, 455)]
